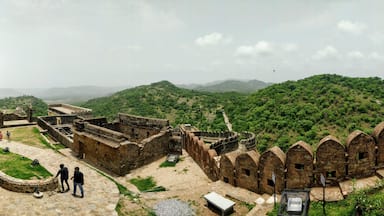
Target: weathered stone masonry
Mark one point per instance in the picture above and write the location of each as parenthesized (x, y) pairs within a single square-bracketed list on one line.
[(121, 146), (299, 168)]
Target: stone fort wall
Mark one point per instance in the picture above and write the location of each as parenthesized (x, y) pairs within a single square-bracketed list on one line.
[(111, 146), (299, 167)]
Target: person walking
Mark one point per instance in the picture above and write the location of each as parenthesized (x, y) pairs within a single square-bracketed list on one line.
[(78, 180), (8, 135), (63, 172)]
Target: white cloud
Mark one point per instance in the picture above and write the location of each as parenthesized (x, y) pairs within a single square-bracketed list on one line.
[(376, 56), (214, 38), (377, 37), (326, 53), (290, 47), (261, 48), (351, 27), (355, 55), (153, 18)]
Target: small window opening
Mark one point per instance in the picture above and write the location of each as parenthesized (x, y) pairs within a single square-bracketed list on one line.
[(270, 182), (226, 180), (362, 155), (331, 174), (299, 166), (247, 172)]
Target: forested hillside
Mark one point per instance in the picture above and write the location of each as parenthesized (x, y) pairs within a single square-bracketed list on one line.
[(40, 108), (310, 109), (281, 114), (165, 100), (231, 86)]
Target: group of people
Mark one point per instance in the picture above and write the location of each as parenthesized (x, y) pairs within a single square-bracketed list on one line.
[(78, 179)]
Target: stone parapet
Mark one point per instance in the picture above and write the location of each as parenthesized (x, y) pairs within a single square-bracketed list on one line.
[(27, 186)]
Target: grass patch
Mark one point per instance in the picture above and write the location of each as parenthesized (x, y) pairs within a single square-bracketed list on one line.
[(27, 135), (167, 164), (31, 136), (20, 167), (249, 206), (143, 184)]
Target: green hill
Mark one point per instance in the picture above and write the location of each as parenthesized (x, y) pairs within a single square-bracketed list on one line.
[(280, 114), (231, 86), (165, 100), (40, 108), (310, 109)]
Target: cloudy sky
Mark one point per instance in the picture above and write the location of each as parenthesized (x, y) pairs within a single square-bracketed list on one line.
[(47, 43)]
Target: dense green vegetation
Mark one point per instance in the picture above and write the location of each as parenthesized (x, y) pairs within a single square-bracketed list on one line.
[(310, 109), (30, 136), (40, 108), (20, 167), (165, 100), (280, 114)]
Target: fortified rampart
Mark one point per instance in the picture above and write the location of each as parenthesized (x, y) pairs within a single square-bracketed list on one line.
[(249, 140), (221, 142), (299, 167), (126, 144)]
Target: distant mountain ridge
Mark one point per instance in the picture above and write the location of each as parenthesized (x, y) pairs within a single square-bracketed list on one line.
[(240, 86), (73, 94)]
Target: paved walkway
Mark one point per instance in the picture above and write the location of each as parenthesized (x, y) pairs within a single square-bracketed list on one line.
[(101, 194)]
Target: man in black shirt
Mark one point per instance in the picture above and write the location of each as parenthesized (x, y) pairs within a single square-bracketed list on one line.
[(63, 172), (78, 180)]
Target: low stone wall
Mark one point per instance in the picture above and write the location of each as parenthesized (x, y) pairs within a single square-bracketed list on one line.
[(47, 122), (14, 117), (27, 186)]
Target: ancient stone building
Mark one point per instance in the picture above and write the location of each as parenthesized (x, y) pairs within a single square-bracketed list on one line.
[(330, 161), (246, 167), (272, 161), (299, 164), (227, 167), (67, 109), (378, 135), (139, 128), (19, 117), (360, 154), (116, 147)]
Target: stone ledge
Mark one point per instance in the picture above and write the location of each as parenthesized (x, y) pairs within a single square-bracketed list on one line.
[(27, 186)]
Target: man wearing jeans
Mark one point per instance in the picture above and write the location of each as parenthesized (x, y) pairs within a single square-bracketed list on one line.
[(63, 172), (78, 180)]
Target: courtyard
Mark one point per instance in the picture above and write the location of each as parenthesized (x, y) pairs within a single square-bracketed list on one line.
[(185, 182)]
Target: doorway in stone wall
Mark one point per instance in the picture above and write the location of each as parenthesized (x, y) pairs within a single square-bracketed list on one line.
[(81, 150)]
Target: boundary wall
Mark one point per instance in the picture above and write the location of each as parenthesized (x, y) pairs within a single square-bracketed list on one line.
[(299, 167)]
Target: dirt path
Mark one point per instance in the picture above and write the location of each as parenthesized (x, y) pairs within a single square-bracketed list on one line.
[(187, 182)]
